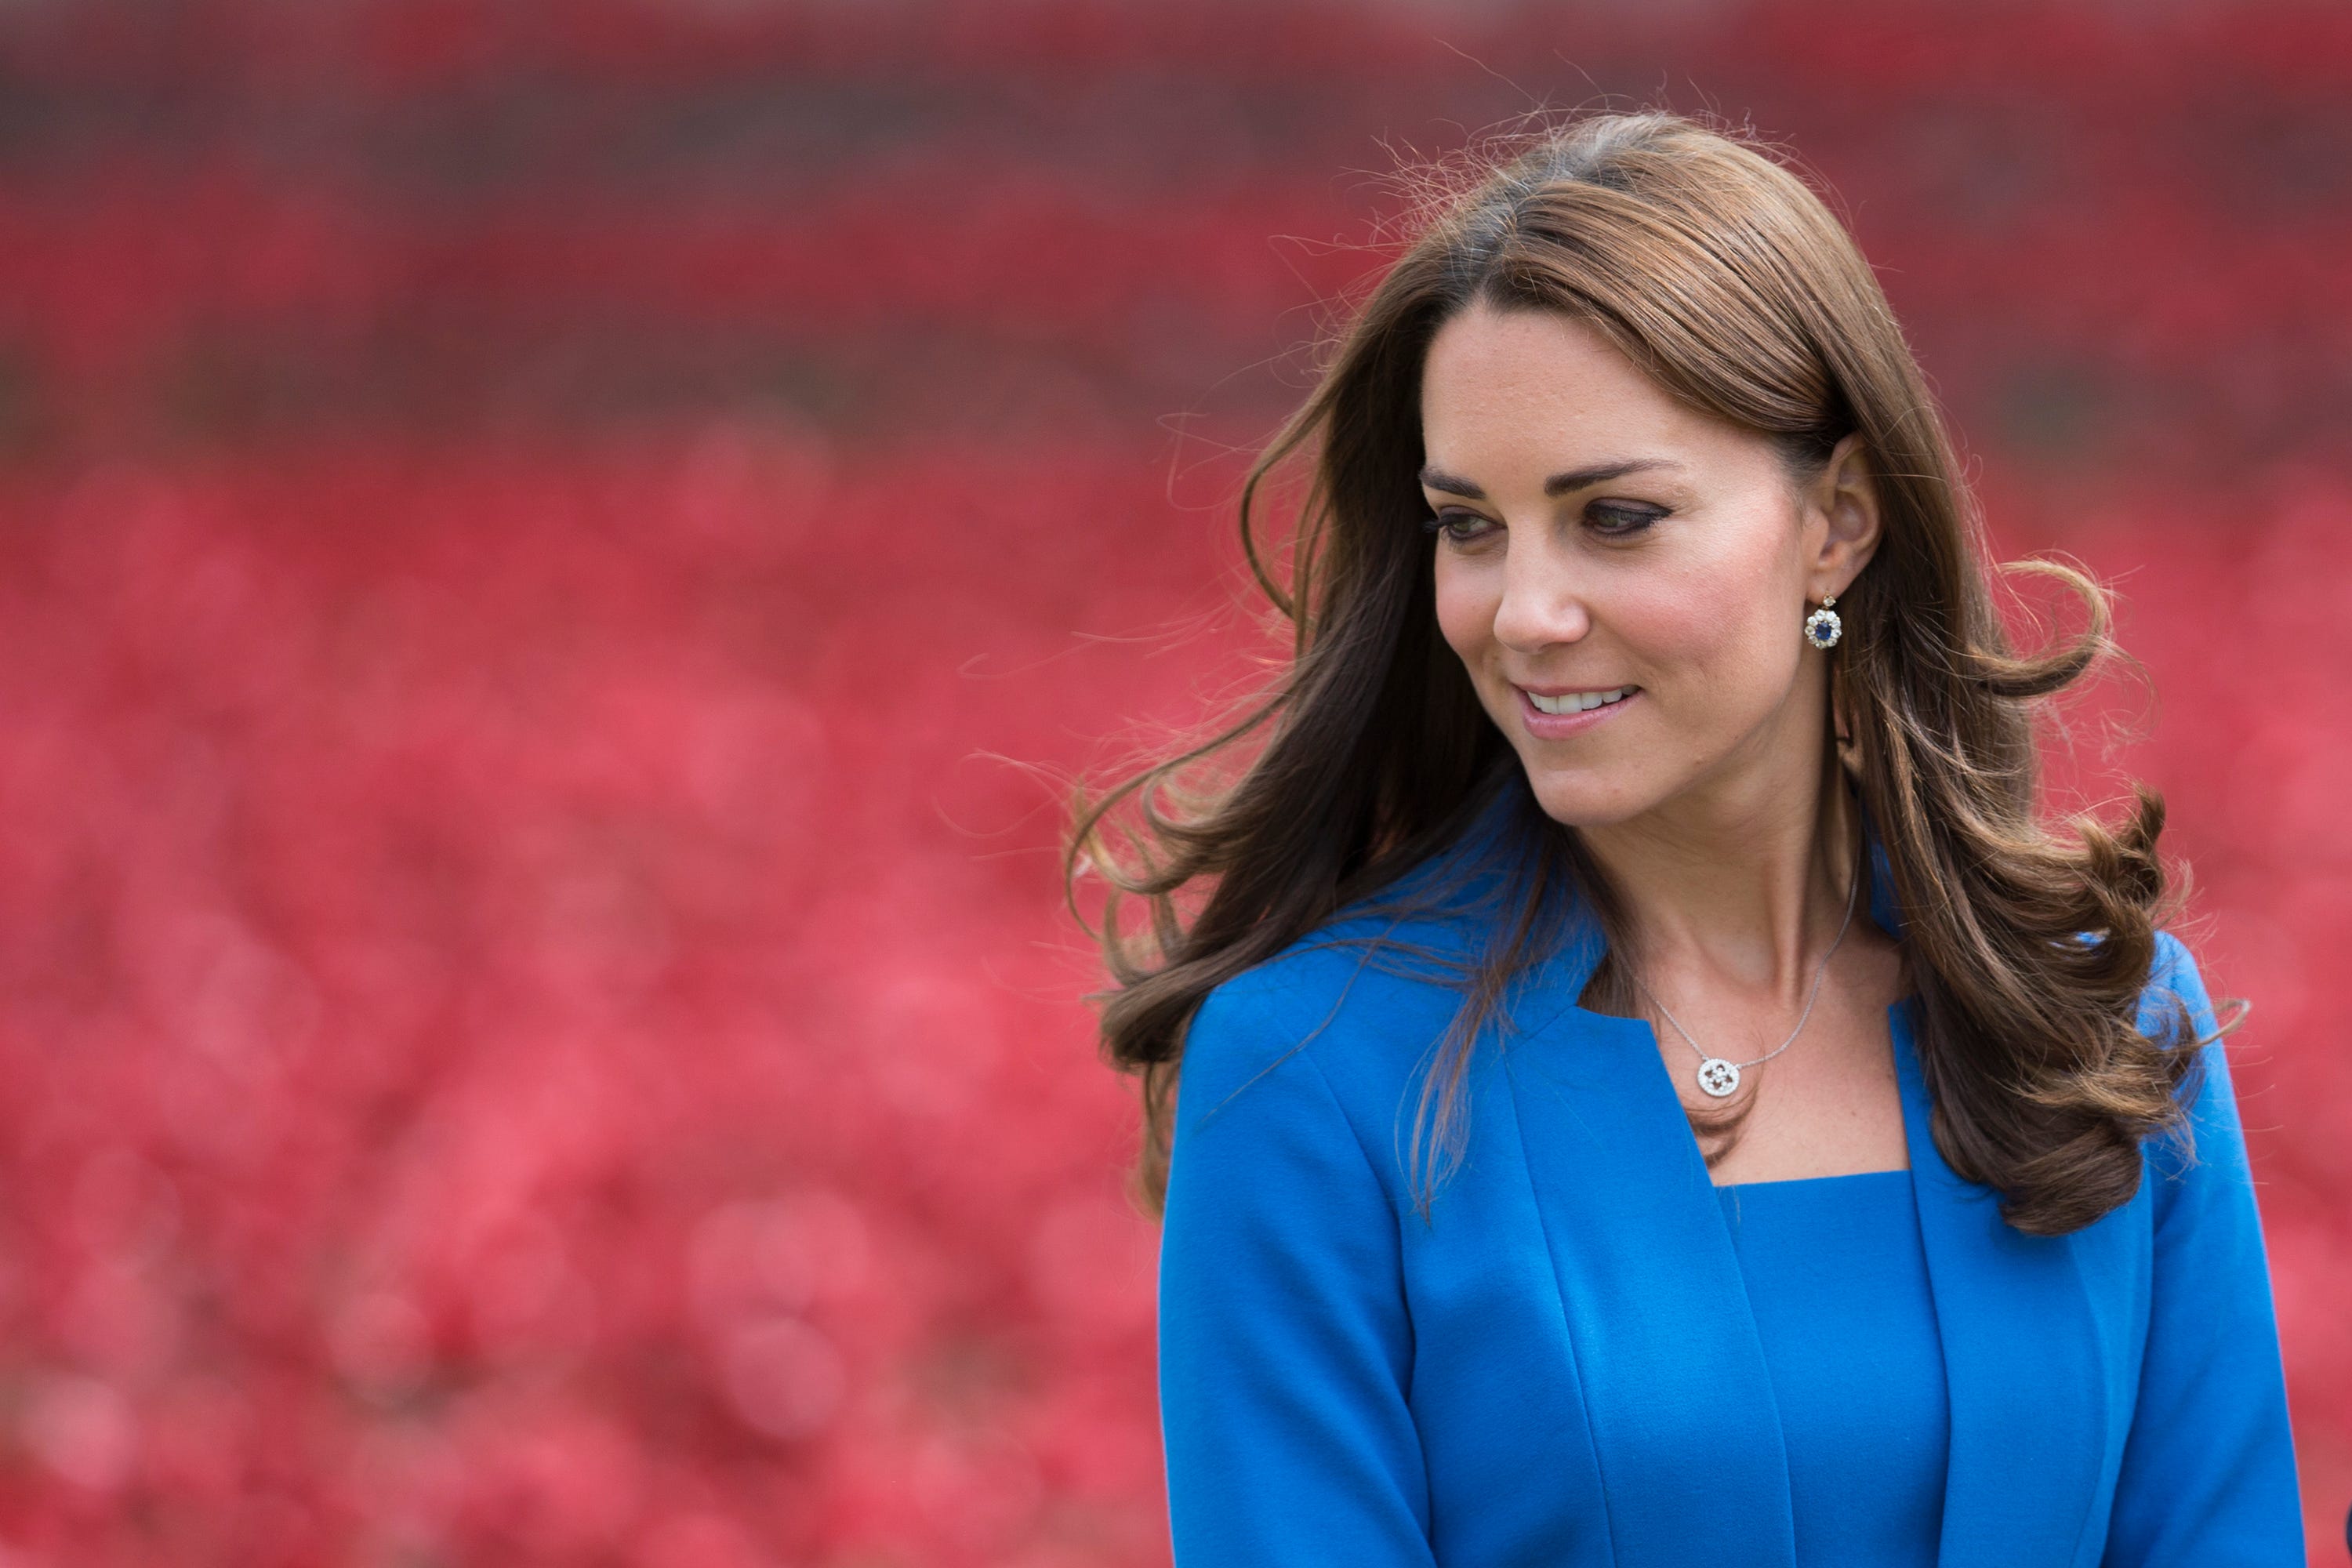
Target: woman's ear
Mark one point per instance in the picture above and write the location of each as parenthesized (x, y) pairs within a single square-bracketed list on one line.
[(1845, 497)]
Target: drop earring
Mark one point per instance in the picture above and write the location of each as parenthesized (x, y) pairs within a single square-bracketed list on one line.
[(1823, 626)]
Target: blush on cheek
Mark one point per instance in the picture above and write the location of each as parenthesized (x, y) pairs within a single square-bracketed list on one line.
[(1730, 671), (1676, 645), (1704, 661), (1687, 628)]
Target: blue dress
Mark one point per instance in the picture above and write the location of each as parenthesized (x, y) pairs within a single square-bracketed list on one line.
[(1837, 1280)]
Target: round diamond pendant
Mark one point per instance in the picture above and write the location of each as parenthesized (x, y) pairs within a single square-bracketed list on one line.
[(1823, 626), (1718, 1077)]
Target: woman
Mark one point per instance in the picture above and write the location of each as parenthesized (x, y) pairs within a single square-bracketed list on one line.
[(1835, 1165)]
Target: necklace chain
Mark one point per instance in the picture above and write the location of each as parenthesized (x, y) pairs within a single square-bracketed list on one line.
[(1720, 1078)]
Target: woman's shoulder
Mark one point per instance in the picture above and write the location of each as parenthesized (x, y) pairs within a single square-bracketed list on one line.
[(2173, 995), (1376, 966), (2173, 977), (1353, 984), (2203, 1157), (2176, 1009), (1357, 1001)]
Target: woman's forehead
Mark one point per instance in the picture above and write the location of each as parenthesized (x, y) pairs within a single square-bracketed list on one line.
[(1527, 389)]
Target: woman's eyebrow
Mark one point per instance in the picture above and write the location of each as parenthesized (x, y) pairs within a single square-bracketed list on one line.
[(1558, 484)]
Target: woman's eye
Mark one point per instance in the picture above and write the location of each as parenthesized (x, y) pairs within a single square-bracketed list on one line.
[(1618, 522), (1460, 527), (1608, 522)]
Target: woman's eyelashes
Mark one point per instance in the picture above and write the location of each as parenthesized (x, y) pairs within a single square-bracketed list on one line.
[(1451, 525), (1607, 519), (1622, 522)]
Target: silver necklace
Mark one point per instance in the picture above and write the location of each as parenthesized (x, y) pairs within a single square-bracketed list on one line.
[(1720, 1078)]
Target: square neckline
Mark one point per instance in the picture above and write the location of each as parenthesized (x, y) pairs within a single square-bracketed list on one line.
[(1806, 1181)]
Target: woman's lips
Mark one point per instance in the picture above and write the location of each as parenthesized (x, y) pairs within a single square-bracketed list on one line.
[(1546, 726)]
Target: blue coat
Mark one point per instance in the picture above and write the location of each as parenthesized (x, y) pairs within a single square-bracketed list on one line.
[(1561, 1368)]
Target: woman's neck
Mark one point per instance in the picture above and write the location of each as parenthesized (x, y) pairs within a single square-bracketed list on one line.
[(1743, 887)]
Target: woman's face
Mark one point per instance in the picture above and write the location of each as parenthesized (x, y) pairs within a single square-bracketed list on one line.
[(1602, 540)]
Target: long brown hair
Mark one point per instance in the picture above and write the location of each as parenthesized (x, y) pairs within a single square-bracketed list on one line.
[(1724, 277)]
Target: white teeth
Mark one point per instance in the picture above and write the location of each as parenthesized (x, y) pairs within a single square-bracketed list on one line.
[(1576, 701)]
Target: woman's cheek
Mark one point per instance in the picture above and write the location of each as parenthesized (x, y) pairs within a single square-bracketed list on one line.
[(1680, 639), (1466, 611), (1735, 665)]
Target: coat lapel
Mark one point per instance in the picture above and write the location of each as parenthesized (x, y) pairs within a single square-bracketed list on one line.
[(2024, 1364), (1680, 1402), (1683, 1418)]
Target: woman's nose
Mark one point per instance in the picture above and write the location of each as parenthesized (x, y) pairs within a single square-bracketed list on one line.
[(1542, 602)]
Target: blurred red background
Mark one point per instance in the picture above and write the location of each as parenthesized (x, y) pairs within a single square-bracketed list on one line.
[(554, 555)]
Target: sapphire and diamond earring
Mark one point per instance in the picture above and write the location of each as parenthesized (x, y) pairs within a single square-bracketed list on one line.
[(1821, 627)]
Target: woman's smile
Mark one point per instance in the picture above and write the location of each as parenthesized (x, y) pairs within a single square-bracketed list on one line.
[(1557, 716)]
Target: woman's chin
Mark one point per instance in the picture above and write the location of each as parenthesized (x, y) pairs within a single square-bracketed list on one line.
[(1577, 799)]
